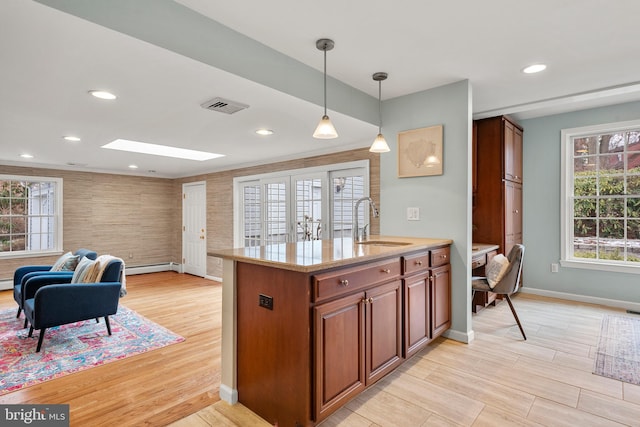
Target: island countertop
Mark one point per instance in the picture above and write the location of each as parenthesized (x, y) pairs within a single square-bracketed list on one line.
[(315, 255)]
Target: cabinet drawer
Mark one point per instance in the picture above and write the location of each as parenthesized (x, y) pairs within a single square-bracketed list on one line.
[(439, 257), (416, 262), (347, 280), (478, 262)]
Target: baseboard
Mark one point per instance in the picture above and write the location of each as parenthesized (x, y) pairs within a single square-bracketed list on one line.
[(153, 268), (214, 278), (465, 337), (228, 394), (627, 305), (5, 285)]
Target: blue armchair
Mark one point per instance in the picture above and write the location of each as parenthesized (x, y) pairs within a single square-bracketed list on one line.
[(22, 274), (55, 304)]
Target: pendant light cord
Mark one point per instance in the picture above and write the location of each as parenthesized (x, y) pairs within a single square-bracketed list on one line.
[(379, 106), (325, 81)]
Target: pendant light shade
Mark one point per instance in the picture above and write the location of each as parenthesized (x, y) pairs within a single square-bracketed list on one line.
[(325, 129), (379, 144)]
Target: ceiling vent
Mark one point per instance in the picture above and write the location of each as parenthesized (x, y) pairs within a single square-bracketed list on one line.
[(224, 105)]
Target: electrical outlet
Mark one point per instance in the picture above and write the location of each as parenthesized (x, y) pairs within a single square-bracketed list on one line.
[(265, 301), (413, 214), (554, 267)]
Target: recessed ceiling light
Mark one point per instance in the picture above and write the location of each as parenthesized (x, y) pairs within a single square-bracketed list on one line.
[(26, 156), (102, 94), (133, 166), (535, 68), (71, 138), (264, 132), (160, 150)]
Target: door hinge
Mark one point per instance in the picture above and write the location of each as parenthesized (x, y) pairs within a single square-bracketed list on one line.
[(184, 228), (184, 195)]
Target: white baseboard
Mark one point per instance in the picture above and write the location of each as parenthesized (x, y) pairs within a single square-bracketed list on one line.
[(627, 305), (228, 394), (465, 337), (153, 268), (6, 285)]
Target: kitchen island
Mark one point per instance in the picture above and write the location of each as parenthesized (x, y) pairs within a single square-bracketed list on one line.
[(308, 325)]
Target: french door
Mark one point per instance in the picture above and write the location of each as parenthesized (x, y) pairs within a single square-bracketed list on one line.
[(299, 205)]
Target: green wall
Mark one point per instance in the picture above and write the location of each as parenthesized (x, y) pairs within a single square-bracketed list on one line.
[(541, 220), (444, 200)]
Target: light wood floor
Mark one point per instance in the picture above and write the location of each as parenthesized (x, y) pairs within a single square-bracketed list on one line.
[(153, 388), (498, 380)]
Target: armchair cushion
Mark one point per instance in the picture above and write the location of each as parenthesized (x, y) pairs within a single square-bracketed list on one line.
[(496, 269)]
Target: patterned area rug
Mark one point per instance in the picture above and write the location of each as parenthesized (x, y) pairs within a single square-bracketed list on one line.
[(73, 347), (618, 352)]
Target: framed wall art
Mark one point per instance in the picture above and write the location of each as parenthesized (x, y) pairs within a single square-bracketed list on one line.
[(420, 152)]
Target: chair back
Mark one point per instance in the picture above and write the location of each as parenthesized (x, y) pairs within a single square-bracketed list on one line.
[(112, 272), (82, 252), (511, 280)]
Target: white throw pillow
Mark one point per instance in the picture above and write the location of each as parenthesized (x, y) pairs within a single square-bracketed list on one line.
[(496, 268), (84, 266)]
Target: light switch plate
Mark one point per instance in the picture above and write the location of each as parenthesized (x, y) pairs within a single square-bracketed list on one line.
[(413, 214)]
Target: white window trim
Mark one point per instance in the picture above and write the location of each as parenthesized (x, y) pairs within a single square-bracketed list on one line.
[(326, 169), (59, 220), (566, 212)]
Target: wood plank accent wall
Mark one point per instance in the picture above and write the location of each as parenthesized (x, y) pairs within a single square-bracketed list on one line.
[(123, 214)]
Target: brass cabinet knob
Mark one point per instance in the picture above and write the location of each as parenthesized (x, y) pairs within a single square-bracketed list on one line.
[(344, 282), (419, 262), (370, 300), (386, 270)]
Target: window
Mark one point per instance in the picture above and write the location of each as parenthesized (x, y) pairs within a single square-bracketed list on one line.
[(303, 204), (601, 200), (30, 215)]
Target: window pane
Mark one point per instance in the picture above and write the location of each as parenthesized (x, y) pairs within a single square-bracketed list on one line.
[(633, 185), (585, 186), (633, 240), (612, 142), (611, 208), (611, 185), (611, 229), (633, 207), (584, 208), (585, 228), (585, 146)]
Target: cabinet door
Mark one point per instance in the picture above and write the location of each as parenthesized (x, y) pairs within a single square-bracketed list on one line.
[(384, 330), (441, 295), (417, 312), (339, 352), (512, 215), (509, 151), (517, 155)]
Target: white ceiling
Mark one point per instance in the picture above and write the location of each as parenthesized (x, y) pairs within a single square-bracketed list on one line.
[(50, 59)]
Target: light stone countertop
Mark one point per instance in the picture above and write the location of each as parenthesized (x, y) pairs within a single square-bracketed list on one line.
[(315, 255)]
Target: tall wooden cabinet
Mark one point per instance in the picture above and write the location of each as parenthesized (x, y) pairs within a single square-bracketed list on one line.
[(497, 195)]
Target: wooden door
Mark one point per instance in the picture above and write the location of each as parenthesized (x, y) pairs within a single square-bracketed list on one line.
[(441, 295), (339, 352), (384, 330), (417, 312)]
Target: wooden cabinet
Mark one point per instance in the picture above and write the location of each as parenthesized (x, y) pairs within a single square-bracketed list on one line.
[(309, 342), (441, 286), (497, 207), (427, 293)]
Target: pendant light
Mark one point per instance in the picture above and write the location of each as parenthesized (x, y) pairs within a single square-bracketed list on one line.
[(379, 144), (325, 129)]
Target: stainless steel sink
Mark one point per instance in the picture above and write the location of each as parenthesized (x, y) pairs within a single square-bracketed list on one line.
[(382, 243)]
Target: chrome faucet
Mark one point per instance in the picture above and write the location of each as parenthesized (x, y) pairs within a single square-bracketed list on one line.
[(360, 235)]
